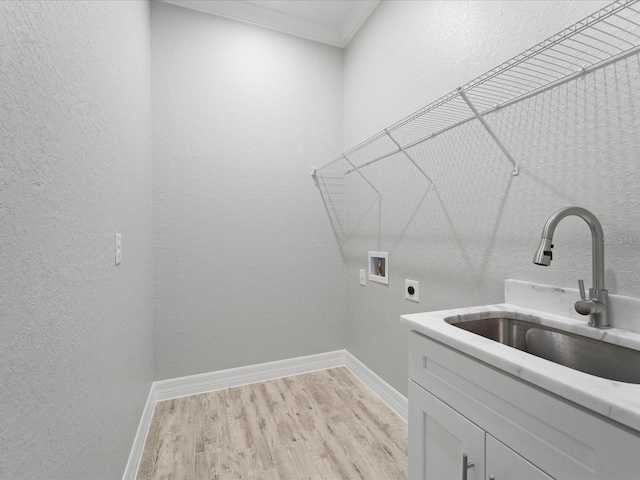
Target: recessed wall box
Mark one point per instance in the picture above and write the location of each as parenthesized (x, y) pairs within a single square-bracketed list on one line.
[(379, 267)]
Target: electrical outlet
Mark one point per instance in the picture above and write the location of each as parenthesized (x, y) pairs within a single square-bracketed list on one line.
[(363, 280), (118, 248), (412, 290)]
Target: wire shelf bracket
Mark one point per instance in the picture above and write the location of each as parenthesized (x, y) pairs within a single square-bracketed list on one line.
[(484, 123), (609, 35), (400, 149), (363, 177)]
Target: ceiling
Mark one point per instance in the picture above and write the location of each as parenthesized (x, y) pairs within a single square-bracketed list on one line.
[(333, 22)]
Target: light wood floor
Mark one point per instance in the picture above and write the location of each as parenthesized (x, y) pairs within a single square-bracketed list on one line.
[(320, 425)]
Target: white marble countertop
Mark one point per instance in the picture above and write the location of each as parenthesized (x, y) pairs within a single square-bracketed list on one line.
[(615, 400)]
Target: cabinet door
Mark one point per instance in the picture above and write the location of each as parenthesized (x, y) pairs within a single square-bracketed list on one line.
[(505, 464), (439, 437)]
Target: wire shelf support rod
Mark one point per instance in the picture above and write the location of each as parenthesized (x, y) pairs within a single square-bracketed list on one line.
[(410, 159), (484, 123), (363, 177)]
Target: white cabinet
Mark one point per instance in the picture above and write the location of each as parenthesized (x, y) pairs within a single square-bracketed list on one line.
[(508, 428), (439, 437), (442, 443)]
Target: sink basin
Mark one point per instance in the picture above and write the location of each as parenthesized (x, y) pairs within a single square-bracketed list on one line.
[(587, 355)]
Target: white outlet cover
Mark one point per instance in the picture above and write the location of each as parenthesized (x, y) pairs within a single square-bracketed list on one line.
[(363, 276), (118, 248), (416, 290)]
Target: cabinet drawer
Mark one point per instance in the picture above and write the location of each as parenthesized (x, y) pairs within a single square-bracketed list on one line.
[(503, 463)]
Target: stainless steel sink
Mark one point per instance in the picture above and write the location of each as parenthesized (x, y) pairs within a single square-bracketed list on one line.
[(574, 351)]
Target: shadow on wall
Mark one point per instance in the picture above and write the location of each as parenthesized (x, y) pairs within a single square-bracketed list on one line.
[(408, 218), (411, 218), (576, 144), (377, 202), (331, 189)]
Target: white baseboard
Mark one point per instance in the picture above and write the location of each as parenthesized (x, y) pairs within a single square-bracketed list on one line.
[(394, 399), (135, 456), (235, 377)]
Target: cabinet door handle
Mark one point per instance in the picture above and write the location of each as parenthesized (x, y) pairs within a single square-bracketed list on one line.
[(466, 465), (491, 477)]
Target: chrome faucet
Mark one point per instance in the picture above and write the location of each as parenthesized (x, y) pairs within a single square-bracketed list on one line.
[(596, 306)]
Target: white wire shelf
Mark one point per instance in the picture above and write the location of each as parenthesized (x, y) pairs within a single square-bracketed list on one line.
[(600, 39)]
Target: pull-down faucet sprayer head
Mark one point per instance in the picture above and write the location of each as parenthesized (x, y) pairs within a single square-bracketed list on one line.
[(543, 255)]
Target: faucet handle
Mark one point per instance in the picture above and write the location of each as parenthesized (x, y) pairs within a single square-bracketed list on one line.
[(583, 295)]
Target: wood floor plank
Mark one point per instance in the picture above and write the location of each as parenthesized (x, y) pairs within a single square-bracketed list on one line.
[(367, 407), (294, 462), (285, 465), (324, 396), (334, 461), (322, 410), (174, 451), (311, 425), (276, 409), (325, 425), (309, 419), (368, 465), (260, 427), (241, 429), (271, 474), (226, 463), (237, 415), (389, 462), (298, 402), (341, 377), (303, 458), (379, 421), (212, 424)]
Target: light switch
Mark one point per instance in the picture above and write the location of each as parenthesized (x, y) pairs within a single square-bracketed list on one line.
[(118, 248), (362, 276)]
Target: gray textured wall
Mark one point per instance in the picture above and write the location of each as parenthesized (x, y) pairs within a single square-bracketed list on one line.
[(75, 168), (246, 266), (576, 144), (249, 252)]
